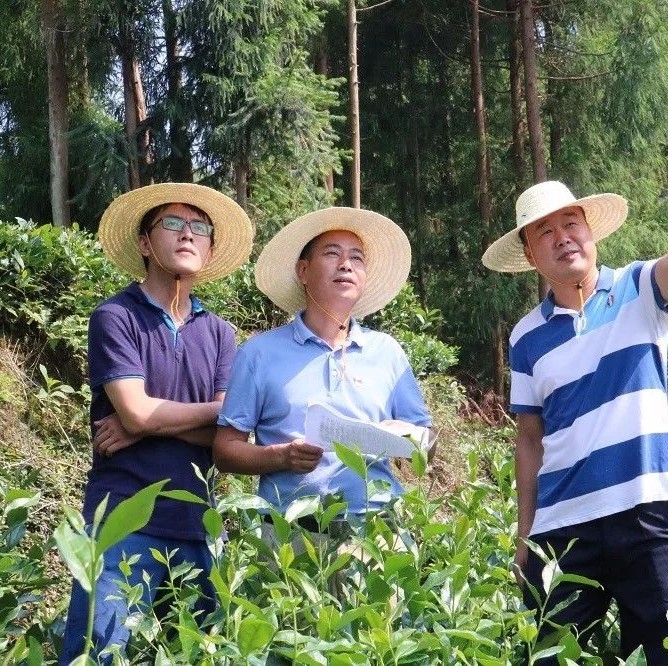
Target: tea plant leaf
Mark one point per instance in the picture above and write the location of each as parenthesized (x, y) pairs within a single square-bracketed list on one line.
[(77, 551), (397, 562), (472, 637), (128, 516), (213, 523), (310, 548), (305, 583), (286, 556), (183, 496), (351, 459), (254, 634), (637, 658), (304, 506), (377, 588), (547, 652), (419, 462), (331, 512), (242, 502), (337, 564), (98, 516), (16, 498)]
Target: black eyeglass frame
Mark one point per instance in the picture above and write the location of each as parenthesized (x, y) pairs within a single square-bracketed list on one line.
[(197, 227)]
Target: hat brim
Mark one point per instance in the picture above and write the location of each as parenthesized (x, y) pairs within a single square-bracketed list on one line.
[(386, 248), (119, 227), (604, 214)]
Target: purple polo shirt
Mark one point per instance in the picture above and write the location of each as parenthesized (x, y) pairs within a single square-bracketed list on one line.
[(130, 336)]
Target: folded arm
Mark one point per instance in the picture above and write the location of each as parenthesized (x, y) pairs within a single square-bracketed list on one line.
[(232, 452), (138, 415)]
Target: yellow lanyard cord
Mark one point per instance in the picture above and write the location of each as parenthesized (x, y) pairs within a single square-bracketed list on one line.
[(581, 323), (343, 325), (174, 305)]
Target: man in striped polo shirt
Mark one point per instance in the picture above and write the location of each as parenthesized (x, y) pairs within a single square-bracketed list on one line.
[(588, 385)]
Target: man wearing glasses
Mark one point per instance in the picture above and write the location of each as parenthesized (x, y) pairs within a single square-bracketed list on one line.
[(159, 364)]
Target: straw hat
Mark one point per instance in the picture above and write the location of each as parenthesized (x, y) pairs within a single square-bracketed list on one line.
[(604, 213), (119, 227), (386, 248)]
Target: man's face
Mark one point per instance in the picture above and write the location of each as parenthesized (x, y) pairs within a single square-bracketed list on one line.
[(178, 252), (335, 272), (561, 246)]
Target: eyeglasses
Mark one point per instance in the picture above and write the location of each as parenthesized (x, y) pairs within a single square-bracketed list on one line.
[(175, 223)]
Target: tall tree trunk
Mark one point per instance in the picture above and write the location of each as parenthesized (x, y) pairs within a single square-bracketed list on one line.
[(241, 180), (418, 221), (354, 113), (180, 160), (482, 162), (78, 64), (53, 29), (135, 106), (515, 61), (321, 66), (533, 107), (484, 205), (552, 106), (448, 167)]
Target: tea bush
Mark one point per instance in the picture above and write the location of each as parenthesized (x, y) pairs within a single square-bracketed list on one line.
[(410, 588)]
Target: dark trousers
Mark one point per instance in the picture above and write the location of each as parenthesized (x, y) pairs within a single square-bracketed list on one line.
[(627, 553), (111, 610)]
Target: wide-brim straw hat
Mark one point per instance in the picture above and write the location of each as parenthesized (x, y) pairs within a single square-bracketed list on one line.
[(119, 227), (386, 248), (604, 214)]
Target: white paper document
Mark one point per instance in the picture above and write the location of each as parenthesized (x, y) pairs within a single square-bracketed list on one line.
[(325, 425)]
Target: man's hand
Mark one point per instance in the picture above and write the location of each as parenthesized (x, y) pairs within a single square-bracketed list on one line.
[(111, 436), (301, 457), (520, 562)]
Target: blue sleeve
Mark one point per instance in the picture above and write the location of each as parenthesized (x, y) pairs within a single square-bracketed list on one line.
[(407, 402), (242, 405), (228, 351), (112, 347)]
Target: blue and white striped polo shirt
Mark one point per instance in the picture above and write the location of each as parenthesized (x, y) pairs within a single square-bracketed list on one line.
[(602, 396)]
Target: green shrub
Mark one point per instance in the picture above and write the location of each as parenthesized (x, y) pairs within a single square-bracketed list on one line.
[(22, 580), (414, 589)]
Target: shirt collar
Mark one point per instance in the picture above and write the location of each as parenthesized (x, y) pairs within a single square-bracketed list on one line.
[(134, 289), (301, 332), (603, 283)]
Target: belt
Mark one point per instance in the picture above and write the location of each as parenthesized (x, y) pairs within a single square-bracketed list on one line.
[(335, 528)]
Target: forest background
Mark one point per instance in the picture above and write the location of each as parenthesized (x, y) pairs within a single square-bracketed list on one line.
[(439, 117), (434, 113)]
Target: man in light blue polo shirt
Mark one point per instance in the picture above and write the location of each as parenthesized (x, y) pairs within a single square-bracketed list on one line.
[(327, 267)]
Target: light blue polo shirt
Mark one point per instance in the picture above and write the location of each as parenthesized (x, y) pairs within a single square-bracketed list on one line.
[(278, 373)]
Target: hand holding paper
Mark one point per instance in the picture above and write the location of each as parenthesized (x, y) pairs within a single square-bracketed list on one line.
[(324, 426)]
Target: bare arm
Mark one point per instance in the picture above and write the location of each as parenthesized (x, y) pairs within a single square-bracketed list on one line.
[(138, 415), (528, 459), (232, 452)]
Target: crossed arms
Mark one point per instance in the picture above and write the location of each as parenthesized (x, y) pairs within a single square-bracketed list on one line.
[(138, 415)]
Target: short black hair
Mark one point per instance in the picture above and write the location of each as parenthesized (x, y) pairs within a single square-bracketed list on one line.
[(523, 236), (307, 250)]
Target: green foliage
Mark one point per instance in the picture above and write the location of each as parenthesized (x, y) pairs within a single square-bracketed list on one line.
[(50, 280), (22, 579), (83, 551), (412, 586), (416, 328)]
